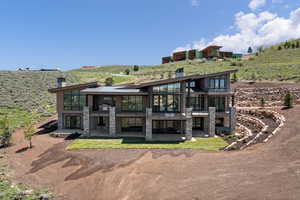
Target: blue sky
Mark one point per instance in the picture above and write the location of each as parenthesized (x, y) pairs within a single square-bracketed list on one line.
[(71, 33)]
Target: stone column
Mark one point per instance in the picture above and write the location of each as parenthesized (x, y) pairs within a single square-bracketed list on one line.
[(60, 121), (232, 119), (112, 121), (148, 124), (211, 121), (189, 124), (86, 121)]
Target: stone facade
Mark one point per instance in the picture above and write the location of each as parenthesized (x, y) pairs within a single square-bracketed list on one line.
[(149, 124), (86, 120), (189, 124), (211, 121), (112, 121), (232, 119)]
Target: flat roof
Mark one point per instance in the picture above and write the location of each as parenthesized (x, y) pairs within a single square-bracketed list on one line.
[(73, 87), (112, 90)]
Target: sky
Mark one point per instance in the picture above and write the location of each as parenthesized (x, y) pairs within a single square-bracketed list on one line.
[(67, 34)]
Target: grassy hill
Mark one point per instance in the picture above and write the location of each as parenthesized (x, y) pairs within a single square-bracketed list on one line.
[(25, 91), (270, 65)]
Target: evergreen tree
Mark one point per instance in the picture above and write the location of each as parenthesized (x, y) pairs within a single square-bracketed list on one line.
[(127, 71), (279, 48), (5, 133), (135, 68), (250, 50), (288, 100)]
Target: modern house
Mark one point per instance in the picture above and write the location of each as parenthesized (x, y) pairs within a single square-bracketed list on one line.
[(209, 52), (171, 109)]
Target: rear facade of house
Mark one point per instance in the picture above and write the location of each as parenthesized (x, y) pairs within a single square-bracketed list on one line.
[(172, 109)]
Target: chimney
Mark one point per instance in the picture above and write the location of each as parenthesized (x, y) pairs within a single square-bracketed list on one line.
[(61, 82), (179, 73)]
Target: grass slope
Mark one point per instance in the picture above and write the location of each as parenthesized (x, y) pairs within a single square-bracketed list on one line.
[(25, 91), (270, 65)]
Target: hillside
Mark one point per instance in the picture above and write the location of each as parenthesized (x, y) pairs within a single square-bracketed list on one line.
[(270, 65), (25, 91)]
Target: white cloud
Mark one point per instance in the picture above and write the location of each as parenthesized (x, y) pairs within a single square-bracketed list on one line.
[(195, 3), (254, 4), (254, 30)]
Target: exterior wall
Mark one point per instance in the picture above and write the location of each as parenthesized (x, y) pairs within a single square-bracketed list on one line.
[(184, 117)]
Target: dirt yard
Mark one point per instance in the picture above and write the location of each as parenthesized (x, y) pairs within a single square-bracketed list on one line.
[(264, 171)]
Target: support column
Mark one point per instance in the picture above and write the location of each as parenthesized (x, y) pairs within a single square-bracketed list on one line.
[(232, 119), (148, 124), (189, 124), (86, 121), (212, 121), (60, 121), (112, 121)]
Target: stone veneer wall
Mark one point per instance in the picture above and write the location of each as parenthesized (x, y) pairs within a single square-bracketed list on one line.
[(149, 124), (112, 121), (86, 120), (189, 124), (211, 121)]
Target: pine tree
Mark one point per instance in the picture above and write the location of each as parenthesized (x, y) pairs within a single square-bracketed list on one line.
[(135, 68), (288, 100), (127, 71), (250, 50), (5, 133)]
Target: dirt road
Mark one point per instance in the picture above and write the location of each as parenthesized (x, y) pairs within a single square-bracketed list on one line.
[(265, 171)]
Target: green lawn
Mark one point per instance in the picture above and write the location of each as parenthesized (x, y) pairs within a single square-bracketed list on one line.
[(213, 144)]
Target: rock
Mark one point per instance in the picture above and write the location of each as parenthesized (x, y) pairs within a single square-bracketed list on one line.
[(44, 197)]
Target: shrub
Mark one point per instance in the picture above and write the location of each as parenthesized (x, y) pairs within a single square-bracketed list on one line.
[(29, 133), (288, 100), (127, 71), (279, 48), (109, 81), (234, 78), (262, 102), (233, 64), (135, 68), (297, 44), (5, 134)]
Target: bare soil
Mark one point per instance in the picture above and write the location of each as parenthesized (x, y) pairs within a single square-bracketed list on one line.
[(263, 171)]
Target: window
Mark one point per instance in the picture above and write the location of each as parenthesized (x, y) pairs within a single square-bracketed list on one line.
[(73, 100), (132, 103), (218, 102), (168, 88), (102, 121), (198, 123), (132, 124), (197, 102), (166, 103), (73, 122), (220, 122), (217, 83), (166, 127)]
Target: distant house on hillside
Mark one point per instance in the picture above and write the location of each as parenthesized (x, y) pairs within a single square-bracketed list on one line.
[(209, 52), (172, 109)]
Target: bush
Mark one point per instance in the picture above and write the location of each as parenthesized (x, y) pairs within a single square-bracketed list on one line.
[(288, 100), (262, 102), (109, 81), (127, 71), (5, 134), (233, 64), (135, 68), (234, 78), (279, 48)]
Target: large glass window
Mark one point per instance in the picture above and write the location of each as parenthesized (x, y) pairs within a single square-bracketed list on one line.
[(73, 100), (132, 124), (217, 83), (132, 103), (197, 102), (218, 102), (166, 127), (198, 123), (168, 88), (73, 122), (166, 103)]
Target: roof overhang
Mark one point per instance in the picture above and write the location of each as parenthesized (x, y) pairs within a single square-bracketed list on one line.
[(74, 87)]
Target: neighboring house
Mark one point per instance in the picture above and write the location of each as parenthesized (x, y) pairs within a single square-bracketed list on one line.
[(181, 107), (209, 52)]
